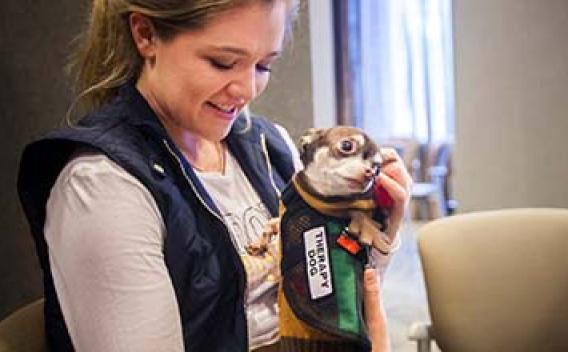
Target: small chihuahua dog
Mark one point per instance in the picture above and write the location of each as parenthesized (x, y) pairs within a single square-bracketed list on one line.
[(340, 165), (336, 186)]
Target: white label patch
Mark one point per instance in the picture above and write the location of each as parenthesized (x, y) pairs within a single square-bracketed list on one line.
[(317, 263)]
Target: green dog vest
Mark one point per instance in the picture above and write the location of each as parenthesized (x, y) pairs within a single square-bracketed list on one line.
[(322, 281)]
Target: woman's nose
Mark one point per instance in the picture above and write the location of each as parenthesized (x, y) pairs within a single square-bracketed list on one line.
[(244, 86)]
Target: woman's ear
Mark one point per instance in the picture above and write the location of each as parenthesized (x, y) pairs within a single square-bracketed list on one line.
[(143, 34)]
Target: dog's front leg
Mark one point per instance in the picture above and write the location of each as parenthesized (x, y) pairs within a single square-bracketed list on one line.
[(368, 232)]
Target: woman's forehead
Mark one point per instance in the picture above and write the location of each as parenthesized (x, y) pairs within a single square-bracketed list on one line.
[(251, 30)]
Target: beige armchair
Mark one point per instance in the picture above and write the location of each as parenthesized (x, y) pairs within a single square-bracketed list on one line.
[(496, 281), (24, 330)]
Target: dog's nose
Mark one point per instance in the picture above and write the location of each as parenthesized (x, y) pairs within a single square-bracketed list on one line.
[(370, 173), (376, 168)]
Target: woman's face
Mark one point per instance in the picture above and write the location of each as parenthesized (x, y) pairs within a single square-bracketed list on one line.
[(198, 81)]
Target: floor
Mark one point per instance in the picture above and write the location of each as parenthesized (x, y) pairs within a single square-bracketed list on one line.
[(404, 293)]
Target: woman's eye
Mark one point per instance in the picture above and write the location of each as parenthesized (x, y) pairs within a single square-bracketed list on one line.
[(263, 68), (347, 146), (221, 65)]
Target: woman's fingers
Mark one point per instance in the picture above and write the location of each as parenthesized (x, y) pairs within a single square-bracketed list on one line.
[(371, 298), (374, 312), (394, 168), (371, 289), (396, 181), (398, 192)]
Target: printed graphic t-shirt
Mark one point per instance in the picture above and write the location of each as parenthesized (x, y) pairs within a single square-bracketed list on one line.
[(246, 216)]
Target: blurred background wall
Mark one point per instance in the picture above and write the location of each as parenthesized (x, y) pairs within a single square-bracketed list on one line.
[(511, 60), (35, 94), (288, 100), (33, 98)]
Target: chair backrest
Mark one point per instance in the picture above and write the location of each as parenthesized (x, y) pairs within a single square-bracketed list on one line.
[(23, 330), (498, 280)]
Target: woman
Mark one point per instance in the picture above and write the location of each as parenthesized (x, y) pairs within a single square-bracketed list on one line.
[(141, 213)]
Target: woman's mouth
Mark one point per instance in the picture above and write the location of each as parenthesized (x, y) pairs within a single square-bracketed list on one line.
[(225, 111)]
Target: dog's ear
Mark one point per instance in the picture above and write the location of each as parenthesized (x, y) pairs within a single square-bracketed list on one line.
[(306, 145), (308, 137)]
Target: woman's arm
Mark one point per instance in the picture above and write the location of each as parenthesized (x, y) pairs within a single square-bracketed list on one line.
[(105, 237), (396, 180)]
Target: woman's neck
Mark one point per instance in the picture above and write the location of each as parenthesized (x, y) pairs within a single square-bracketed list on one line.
[(203, 154)]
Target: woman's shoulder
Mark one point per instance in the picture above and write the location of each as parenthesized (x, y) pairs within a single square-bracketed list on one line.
[(86, 163), (262, 125), (278, 138), (94, 171), (91, 178)]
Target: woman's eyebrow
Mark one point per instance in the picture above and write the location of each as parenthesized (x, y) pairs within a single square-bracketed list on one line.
[(241, 51)]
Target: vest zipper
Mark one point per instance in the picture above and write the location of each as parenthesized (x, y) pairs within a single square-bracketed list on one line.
[(192, 185), (268, 163), (240, 263)]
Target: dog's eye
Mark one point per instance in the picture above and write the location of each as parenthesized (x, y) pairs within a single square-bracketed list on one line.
[(347, 146)]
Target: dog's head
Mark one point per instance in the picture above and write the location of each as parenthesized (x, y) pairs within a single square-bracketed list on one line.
[(339, 161)]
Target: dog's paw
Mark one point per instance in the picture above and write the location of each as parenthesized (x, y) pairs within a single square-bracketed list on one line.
[(262, 245)]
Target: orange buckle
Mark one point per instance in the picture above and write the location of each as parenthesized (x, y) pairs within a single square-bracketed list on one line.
[(349, 244)]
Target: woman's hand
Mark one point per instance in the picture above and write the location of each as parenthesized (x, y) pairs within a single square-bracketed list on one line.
[(374, 312), (396, 181)]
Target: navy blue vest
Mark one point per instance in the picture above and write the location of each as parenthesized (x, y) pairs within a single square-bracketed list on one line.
[(206, 272)]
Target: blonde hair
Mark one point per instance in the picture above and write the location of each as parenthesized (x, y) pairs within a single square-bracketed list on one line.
[(105, 56)]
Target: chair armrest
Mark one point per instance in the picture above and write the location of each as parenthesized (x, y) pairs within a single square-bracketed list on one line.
[(422, 333)]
